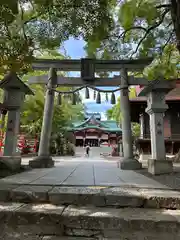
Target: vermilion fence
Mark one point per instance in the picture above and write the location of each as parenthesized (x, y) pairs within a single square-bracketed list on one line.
[(25, 144)]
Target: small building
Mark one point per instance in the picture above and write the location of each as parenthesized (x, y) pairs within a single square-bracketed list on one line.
[(171, 121), (94, 131)]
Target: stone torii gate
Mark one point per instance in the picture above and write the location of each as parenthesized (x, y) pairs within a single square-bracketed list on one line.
[(88, 67)]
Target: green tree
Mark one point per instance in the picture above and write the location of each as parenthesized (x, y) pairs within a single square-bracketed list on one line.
[(64, 114), (115, 114), (150, 24), (28, 26), (32, 113), (113, 29), (144, 28), (136, 130), (141, 28)]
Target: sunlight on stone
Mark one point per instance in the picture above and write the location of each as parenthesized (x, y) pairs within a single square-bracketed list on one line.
[(44, 206), (97, 187)]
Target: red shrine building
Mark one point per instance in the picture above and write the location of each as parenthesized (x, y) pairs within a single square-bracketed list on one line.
[(171, 121), (94, 131)]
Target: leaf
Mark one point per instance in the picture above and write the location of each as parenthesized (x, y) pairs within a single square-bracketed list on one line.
[(127, 14)]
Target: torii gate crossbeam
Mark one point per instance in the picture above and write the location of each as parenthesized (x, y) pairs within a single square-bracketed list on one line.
[(69, 65)]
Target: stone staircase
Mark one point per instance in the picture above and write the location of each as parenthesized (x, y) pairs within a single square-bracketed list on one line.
[(67, 213)]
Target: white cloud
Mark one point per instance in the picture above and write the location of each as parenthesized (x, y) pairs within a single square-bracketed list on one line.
[(103, 116)]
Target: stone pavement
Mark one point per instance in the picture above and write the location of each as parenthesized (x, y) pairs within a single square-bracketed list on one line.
[(83, 172), (88, 198)]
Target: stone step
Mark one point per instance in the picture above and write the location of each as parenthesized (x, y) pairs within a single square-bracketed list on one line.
[(137, 236), (97, 196), (92, 222), (17, 236)]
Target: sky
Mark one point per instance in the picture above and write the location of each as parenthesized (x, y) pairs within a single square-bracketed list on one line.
[(74, 49)]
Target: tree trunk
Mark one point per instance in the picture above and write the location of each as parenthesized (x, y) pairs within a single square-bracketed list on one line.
[(175, 14)]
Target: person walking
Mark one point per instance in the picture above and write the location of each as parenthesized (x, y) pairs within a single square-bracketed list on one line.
[(87, 150)]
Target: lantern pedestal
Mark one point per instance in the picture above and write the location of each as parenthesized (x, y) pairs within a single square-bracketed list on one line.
[(9, 165), (130, 164)]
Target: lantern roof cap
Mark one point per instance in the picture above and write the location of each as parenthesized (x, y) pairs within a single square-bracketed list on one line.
[(12, 81)]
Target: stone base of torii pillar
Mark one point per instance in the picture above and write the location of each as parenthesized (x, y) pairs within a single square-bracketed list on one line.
[(156, 107), (42, 162)]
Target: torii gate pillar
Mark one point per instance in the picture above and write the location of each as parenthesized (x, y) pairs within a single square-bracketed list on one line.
[(128, 162), (44, 160)]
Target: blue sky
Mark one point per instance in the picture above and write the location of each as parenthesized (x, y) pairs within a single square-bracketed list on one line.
[(74, 49)]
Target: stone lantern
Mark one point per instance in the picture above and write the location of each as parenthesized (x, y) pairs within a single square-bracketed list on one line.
[(156, 107), (15, 91)]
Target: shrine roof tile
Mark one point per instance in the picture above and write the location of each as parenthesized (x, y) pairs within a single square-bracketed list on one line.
[(97, 128), (110, 123), (105, 125), (173, 95)]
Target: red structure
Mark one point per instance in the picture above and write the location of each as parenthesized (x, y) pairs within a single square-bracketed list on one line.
[(94, 131), (25, 145)]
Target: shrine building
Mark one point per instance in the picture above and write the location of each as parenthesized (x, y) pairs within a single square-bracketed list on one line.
[(94, 131), (171, 121)]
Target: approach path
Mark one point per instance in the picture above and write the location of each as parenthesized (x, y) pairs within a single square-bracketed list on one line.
[(82, 171)]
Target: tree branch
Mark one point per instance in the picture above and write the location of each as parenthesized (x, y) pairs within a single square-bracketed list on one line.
[(22, 18), (148, 30), (167, 41), (175, 14), (123, 35), (164, 6)]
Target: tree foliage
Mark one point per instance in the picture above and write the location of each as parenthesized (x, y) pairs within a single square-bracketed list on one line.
[(136, 129), (26, 26), (115, 114), (113, 29), (144, 28), (150, 24), (32, 113), (166, 65)]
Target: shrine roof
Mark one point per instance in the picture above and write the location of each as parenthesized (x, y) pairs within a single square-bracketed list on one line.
[(97, 128), (138, 104), (93, 123), (173, 95)]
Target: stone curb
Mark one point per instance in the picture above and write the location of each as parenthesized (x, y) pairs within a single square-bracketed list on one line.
[(45, 219), (100, 197)]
